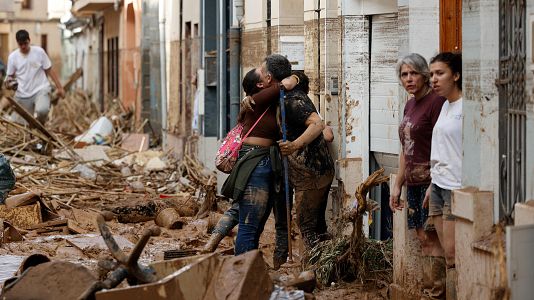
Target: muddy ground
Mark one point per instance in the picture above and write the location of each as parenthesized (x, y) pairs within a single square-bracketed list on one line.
[(191, 237)]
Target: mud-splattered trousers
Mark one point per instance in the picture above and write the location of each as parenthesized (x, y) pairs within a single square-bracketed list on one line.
[(310, 206), (255, 206), (230, 219)]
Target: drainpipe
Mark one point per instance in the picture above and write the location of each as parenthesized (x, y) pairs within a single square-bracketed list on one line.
[(268, 23), (163, 72), (318, 93), (234, 45)]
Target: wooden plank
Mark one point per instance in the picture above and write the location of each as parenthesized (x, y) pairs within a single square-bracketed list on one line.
[(96, 241), (72, 79), (22, 199), (37, 125), (73, 227), (22, 217), (60, 222)]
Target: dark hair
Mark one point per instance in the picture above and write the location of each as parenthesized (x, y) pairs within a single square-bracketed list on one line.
[(278, 65), (453, 61), (22, 36), (249, 82), (304, 82)]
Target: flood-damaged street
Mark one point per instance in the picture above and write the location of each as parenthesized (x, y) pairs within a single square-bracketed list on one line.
[(272, 150), (88, 208)]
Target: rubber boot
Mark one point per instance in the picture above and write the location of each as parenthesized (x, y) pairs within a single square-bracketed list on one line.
[(452, 278), (212, 243), (434, 277)]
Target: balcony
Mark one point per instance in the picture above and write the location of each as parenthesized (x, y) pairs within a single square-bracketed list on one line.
[(87, 7)]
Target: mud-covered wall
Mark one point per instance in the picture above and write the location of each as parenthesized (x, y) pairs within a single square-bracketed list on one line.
[(480, 57)]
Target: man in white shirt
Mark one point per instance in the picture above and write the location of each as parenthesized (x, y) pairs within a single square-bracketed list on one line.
[(27, 70)]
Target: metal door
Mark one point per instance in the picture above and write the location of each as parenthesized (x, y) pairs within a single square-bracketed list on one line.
[(512, 104)]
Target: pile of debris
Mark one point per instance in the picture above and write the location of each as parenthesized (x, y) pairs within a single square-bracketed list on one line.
[(355, 257), (64, 179)]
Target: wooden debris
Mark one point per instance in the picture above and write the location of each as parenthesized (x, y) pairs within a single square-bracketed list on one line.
[(36, 124), (135, 142), (27, 198), (23, 216), (87, 242)]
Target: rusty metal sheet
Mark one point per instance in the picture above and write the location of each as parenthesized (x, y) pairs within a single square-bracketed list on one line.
[(23, 216)]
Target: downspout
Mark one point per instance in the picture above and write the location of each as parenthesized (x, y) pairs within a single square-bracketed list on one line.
[(163, 73), (234, 37), (318, 92), (268, 23)]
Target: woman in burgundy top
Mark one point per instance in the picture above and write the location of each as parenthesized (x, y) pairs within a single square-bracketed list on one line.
[(415, 132)]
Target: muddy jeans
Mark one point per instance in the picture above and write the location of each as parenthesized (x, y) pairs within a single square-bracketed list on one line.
[(230, 219), (255, 206), (310, 209)]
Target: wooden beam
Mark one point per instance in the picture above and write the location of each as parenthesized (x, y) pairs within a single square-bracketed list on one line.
[(37, 125)]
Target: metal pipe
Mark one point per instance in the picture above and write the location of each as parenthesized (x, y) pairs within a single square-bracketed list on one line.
[(234, 38), (318, 91), (163, 72)]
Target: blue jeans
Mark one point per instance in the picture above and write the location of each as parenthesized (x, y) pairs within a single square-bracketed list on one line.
[(255, 206), (230, 219)]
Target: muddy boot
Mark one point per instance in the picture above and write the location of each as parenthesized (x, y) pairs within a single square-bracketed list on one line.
[(452, 278), (212, 243), (434, 277)]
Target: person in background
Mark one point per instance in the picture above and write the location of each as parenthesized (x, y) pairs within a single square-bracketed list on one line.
[(447, 154), (27, 70), (415, 132)]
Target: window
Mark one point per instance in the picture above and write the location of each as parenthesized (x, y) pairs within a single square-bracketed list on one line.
[(26, 4), (113, 66), (450, 23), (44, 42)]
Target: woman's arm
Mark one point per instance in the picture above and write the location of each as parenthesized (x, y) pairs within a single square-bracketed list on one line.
[(394, 202), (314, 127)]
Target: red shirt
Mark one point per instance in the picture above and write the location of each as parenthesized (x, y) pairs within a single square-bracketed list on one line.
[(267, 127), (415, 133)]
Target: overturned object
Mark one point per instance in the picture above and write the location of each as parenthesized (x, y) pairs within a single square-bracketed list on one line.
[(214, 277)]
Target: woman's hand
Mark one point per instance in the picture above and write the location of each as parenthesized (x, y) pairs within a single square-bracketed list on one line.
[(289, 83), (287, 147), (246, 104), (427, 196), (394, 201)]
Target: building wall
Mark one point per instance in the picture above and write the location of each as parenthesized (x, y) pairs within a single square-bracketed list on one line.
[(480, 57), (183, 61), (129, 55), (83, 51)]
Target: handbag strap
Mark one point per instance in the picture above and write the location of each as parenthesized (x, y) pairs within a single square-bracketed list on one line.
[(250, 130)]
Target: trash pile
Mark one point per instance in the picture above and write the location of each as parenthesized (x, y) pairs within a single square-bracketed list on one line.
[(355, 257)]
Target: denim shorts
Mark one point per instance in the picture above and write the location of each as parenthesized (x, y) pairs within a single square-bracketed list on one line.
[(417, 215), (440, 203)]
